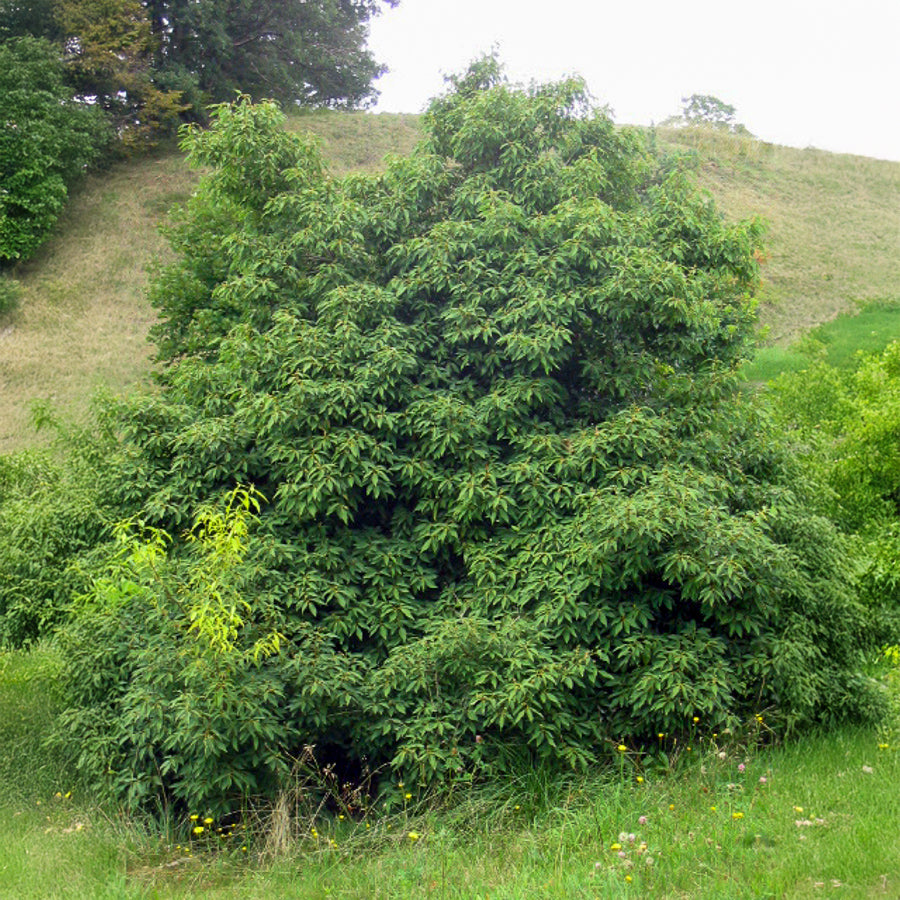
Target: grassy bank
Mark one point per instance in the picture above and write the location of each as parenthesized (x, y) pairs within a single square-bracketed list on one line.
[(722, 817)]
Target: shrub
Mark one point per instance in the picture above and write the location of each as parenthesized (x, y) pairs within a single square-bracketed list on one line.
[(510, 493), (54, 512), (47, 139)]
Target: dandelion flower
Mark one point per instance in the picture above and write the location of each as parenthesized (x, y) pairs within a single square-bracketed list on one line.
[(883, 746), (621, 748), (640, 779), (671, 807), (696, 719), (616, 846), (407, 796), (712, 809), (199, 829), (798, 809), (628, 878), (208, 820), (737, 815), (194, 817), (413, 836)]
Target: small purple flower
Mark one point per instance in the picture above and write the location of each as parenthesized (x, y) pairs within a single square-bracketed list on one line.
[(642, 820), (741, 767), (763, 779)]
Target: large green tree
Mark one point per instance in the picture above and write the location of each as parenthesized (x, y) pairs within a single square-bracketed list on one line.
[(109, 57), (312, 53), (511, 498)]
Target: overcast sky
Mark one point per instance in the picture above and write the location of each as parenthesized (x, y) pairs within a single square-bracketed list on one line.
[(818, 73)]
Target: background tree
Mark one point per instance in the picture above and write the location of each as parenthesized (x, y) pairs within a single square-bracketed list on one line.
[(31, 18), (109, 53), (311, 53), (47, 139), (511, 498), (708, 111)]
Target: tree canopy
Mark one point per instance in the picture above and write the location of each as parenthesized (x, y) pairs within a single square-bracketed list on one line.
[(146, 55), (310, 53), (707, 111), (447, 465)]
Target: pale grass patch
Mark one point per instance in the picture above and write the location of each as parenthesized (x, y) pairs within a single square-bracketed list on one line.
[(83, 317), (834, 223)]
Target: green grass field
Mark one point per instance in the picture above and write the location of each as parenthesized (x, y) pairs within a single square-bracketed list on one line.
[(728, 819)]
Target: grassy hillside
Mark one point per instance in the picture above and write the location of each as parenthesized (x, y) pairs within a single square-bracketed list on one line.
[(834, 223), (82, 322)]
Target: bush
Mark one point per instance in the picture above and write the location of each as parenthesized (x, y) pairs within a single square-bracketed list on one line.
[(510, 495), (54, 512), (47, 139)]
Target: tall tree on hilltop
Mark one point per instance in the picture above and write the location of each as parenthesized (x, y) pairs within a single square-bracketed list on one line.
[(109, 50), (311, 53)]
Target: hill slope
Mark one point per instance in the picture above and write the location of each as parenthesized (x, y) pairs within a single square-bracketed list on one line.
[(834, 238), (834, 223)]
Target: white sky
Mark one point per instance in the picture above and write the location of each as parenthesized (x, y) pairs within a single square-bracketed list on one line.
[(820, 73)]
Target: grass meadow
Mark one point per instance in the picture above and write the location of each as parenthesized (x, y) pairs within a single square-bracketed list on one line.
[(725, 816)]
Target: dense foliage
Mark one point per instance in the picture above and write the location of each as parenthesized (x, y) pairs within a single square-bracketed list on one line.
[(846, 426), (46, 142), (296, 51), (142, 59), (450, 464), (110, 49), (54, 512)]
